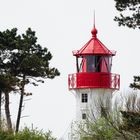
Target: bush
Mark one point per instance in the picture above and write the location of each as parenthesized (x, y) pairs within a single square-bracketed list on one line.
[(6, 135), (26, 134)]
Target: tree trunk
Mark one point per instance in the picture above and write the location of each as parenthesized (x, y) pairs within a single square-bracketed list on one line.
[(20, 105), (7, 112)]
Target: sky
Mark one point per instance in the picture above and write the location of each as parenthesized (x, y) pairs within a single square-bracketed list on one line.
[(63, 26)]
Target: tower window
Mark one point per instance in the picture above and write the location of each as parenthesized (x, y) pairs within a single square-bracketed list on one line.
[(104, 112), (84, 116), (84, 98)]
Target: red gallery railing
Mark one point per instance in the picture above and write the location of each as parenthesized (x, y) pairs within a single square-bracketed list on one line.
[(94, 80)]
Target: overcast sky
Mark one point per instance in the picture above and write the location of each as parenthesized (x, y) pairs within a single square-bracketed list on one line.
[(63, 26)]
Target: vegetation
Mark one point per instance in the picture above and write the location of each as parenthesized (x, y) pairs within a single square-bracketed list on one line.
[(26, 134), (22, 62), (129, 13), (121, 124), (130, 117), (136, 83)]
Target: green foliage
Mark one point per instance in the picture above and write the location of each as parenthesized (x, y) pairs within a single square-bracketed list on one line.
[(22, 62), (26, 134), (7, 83), (35, 134), (20, 55), (131, 116), (122, 124), (29, 58), (132, 8), (5, 135), (136, 83), (100, 129), (131, 121)]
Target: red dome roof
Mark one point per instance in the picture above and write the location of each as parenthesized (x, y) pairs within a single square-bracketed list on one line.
[(94, 47)]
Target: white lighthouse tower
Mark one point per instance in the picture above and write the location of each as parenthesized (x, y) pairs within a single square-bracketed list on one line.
[(93, 83)]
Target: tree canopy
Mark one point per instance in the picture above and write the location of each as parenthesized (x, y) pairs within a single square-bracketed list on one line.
[(129, 13), (22, 61)]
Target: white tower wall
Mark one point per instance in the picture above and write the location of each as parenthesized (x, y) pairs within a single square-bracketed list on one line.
[(92, 106)]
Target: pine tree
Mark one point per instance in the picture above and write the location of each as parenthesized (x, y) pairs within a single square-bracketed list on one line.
[(129, 13), (136, 83), (25, 60)]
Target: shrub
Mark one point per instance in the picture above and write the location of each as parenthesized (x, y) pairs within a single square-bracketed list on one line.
[(26, 134)]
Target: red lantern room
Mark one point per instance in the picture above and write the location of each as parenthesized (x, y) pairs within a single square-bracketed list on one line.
[(93, 63)]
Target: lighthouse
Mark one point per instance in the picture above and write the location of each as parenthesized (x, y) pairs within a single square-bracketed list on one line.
[(93, 83)]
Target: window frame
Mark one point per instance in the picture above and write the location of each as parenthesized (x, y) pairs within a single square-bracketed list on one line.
[(84, 97), (84, 116)]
